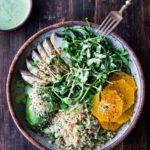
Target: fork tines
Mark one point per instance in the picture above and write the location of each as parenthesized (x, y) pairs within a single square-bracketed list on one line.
[(109, 24)]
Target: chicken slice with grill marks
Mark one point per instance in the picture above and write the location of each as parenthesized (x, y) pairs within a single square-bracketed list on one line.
[(43, 65), (47, 45), (37, 72), (46, 58), (31, 79), (57, 42), (43, 53)]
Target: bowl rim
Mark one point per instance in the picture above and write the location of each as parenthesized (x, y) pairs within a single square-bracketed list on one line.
[(63, 24), (22, 23)]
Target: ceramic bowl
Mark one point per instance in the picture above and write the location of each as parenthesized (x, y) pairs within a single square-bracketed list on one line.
[(18, 110)]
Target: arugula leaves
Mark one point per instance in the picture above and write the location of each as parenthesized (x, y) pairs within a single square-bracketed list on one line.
[(92, 60)]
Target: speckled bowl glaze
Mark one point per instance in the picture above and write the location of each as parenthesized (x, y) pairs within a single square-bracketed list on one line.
[(18, 110)]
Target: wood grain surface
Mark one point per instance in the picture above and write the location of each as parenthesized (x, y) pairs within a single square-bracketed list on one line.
[(135, 29)]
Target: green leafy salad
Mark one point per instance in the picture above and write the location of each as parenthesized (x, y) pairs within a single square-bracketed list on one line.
[(62, 77)]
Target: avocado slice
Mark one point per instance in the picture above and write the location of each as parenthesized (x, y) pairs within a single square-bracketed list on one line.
[(33, 118), (48, 108)]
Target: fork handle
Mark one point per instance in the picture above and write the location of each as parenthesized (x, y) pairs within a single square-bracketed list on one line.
[(128, 2)]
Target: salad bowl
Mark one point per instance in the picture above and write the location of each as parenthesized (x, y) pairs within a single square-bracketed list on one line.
[(18, 111)]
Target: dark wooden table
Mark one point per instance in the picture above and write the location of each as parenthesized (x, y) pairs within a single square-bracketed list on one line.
[(135, 29)]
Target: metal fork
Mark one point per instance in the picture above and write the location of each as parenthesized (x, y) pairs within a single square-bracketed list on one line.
[(112, 20)]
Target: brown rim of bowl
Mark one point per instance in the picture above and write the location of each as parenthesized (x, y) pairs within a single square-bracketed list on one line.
[(22, 23), (63, 24)]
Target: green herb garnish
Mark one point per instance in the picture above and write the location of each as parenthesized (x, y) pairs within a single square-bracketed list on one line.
[(63, 106), (129, 121), (34, 63)]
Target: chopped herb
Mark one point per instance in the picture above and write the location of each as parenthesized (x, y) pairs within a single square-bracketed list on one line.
[(63, 106), (52, 138), (47, 131), (80, 123), (34, 63), (129, 121), (89, 138), (80, 127), (76, 110), (59, 60), (90, 125), (102, 136), (95, 141)]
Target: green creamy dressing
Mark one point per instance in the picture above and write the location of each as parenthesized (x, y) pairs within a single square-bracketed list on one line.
[(13, 13)]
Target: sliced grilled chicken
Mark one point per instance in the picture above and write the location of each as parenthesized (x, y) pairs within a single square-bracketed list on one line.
[(35, 71), (31, 79), (42, 65), (57, 41), (43, 53), (46, 59), (36, 56), (48, 47), (42, 73)]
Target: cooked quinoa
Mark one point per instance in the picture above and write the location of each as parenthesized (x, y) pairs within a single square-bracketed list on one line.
[(73, 129)]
